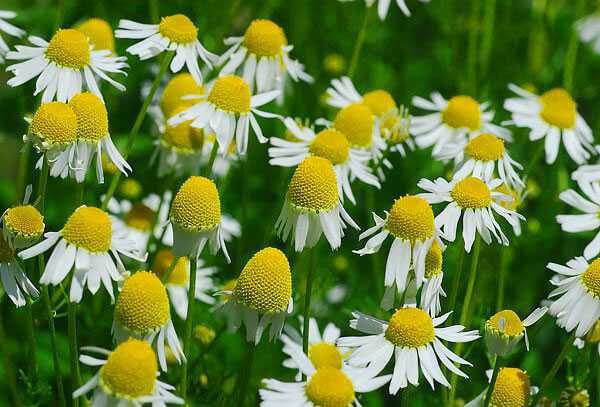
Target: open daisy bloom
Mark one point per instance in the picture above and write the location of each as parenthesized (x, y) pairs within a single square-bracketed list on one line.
[(358, 123), (512, 388), (63, 65), (14, 280), (504, 330), (262, 295), (586, 173), (262, 54), (142, 311), (99, 34), (589, 31), (127, 376), (9, 29), (23, 226), (174, 33), (348, 163), (312, 206), (413, 339), (89, 245), (551, 116), (181, 90)]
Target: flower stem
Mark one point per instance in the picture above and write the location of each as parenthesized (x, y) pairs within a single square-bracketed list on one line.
[(358, 45), (165, 277), (189, 323), (32, 354), (489, 17), (22, 171), (73, 351), (245, 373), (571, 54), (307, 297), (456, 279), (490, 389), (471, 76), (9, 371), (211, 160), (505, 254)]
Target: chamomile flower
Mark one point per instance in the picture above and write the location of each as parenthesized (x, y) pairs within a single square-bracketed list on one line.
[(312, 206), (99, 34), (89, 245), (358, 123), (592, 337), (517, 196), (142, 312), (14, 280), (9, 29), (586, 173), (262, 55), (348, 163), (413, 339), (262, 295), (136, 220), (475, 201), (181, 90), (589, 31), (127, 377), (504, 330), (552, 116), (22, 226), (174, 33), (63, 65), (384, 5), (434, 276), (512, 388), (452, 121), (343, 93)]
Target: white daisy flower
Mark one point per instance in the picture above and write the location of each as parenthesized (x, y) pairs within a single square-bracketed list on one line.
[(413, 339), (592, 337), (174, 33), (89, 245), (127, 377), (383, 6), (22, 225), (586, 173), (589, 31), (63, 66), (551, 116), (434, 276), (137, 219), (9, 29), (360, 126), (99, 33), (14, 280), (504, 330), (512, 388)]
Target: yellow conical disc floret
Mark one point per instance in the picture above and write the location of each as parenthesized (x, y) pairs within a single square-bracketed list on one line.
[(130, 188), (180, 273), (183, 137), (512, 204), (462, 112), (264, 38), (92, 117), (593, 336), (24, 221), (434, 260), (69, 48), (130, 370), (356, 121), (379, 101), (331, 144), (411, 218), (89, 228), (197, 206), (140, 217), (591, 278), (485, 147), (410, 328), (472, 193), (143, 305), (511, 389), (505, 322), (558, 108), (179, 86), (330, 387), (231, 94), (265, 283), (314, 185), (55, 123), (99, 33), (178, 28), (6, 252), (325, 354)]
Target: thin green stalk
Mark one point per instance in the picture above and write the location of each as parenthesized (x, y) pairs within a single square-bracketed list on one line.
[(244, 376), (487, 38), (154, 11), (307, 298), (165, 277), (32, 348), (471, 85), (504, 260), (73, 350), (456, 279), (168, 183), (571, 55), (189, 324), (490, 389), (22, 171), (360, 40), (537, 155), (9, 371), (211, 159)]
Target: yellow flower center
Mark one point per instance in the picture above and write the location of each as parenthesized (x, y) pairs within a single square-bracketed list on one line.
[(379, 101), (143, 305), (593, 336), (462, 112), (24, 221), (178, 28), (558, 108), (356, 122), (512, 204), (434, 260), (314, 185), (591, 278), (130, 370), (197, 206), (485, 147), (69, 48), (55, 123), (204, 334), (411, 218), (472, 193), (574, 397), (264, 38), (511, 388), (180, 273), (325, 354), (130, 188), (505, 322), (231, 94), (179, 86), (92, 117), (99, 33), (331, 144), (183, 136), (265, 283), (6, 252), (89, 228), (330, 387), (139, 217), (410, 328)]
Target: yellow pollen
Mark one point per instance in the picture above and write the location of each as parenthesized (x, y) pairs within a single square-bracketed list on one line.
[(264, 38), (24, 221), (434, 260), (591, 278), (92, 117), (356, 121), (410, 328), (197, 206), (69, 48), (593, 336), (179, 86), (183, 136), (231, 94), (6, 252), (472, 193), (139, 217), (379, 101), (143, 305), (485, 147), (411, 218), (178, 28), (462, 112), (130, 370), (325, 354), (331, 144), (55, 123), (89, 228), (511, 388), (265, 283), (180, 273), (130, 188), (330, 387), (314, 185), (99, 34), (505, 322), (558, 108)]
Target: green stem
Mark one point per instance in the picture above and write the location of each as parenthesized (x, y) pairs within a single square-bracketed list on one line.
[(211, 159), (358, 45), (490, 389), (9, 371), (537, 155), (22, 171), (73, 350), (32, 354), (189, 323), (307, 298), (504, 260), (165, 277), (489, 17), (471, 85), (154, 11), (571, 55), (245, 373), (456, 279)]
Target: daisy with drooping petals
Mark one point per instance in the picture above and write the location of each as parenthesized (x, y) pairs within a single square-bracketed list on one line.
[(512, 388), (434, 276), (413, 339), (85, 244), (9, 29), (586, 173), (127, 377), (383, 6), (358, 123), (589, 31), (504, 330), (552, 116), (99, 34), (22, 225), (174, 33), (64, 65), (592, 337), (14, 280), (312, 206), (586, 221)]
